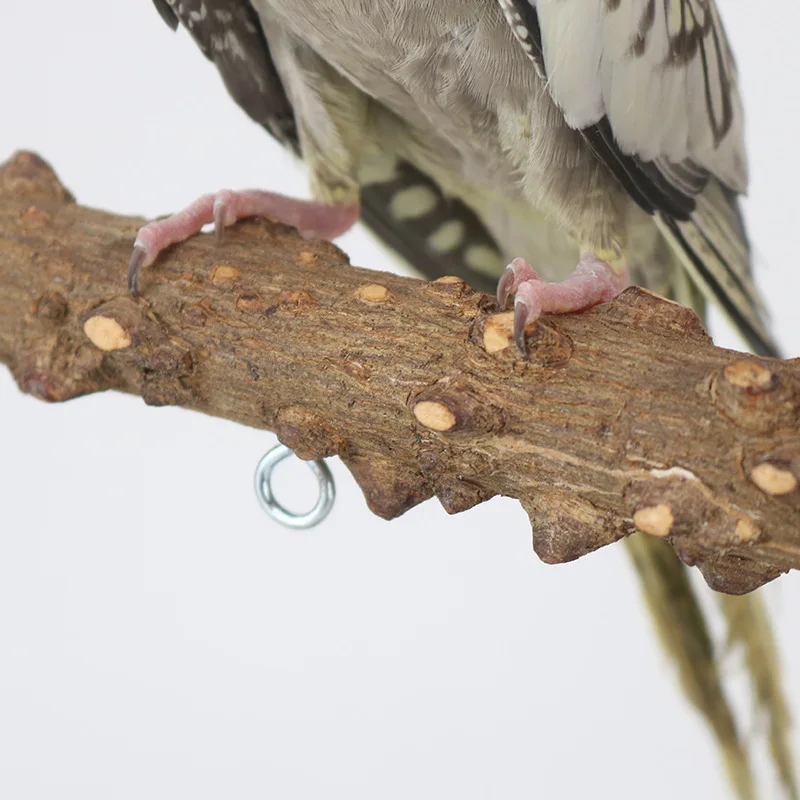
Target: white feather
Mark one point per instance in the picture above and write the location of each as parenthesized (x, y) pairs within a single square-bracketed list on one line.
[(574, 71), (658, 107)]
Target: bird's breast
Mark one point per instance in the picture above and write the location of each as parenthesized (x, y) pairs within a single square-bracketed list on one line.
[(451, 71)]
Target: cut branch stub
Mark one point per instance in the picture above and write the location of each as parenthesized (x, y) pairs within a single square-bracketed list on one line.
[(106, 333), (623, 416), (676, 504), (777, 473), (453, 407), (775, 479), (498, 332), (546, 345), (144, 345), (372, 293), (754, 396)]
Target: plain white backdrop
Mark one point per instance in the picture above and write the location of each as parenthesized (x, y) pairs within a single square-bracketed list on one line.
[(161, 638)]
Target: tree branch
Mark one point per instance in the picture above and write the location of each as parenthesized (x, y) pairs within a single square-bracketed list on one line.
[(623, 417)]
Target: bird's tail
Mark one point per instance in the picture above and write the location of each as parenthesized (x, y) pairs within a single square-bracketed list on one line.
[(712, 247), (749, 629), (681, 627)]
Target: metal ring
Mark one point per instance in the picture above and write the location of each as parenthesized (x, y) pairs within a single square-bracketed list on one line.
[(266, 497)]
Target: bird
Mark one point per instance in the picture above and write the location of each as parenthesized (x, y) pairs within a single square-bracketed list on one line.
[(553, 150)]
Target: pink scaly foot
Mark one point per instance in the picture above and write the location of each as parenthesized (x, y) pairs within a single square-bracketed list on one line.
[(592, 282), (312, 219)]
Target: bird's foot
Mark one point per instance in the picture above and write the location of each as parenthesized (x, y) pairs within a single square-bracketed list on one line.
[(592, 282), (312, 219)]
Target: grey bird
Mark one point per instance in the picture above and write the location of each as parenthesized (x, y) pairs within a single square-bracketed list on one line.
[(468, 134)]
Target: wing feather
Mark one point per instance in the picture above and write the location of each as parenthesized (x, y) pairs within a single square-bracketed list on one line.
[(661, 71), (229, 33), (653, 88)]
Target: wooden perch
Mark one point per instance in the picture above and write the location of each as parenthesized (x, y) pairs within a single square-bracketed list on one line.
[(622, 417)]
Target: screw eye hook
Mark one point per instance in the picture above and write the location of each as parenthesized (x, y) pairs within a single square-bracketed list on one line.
[(266, 495)]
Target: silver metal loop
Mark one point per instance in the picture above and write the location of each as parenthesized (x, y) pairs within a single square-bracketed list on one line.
[(266, 496)]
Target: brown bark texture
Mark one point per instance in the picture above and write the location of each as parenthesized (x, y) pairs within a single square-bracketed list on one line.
[(620, 418)]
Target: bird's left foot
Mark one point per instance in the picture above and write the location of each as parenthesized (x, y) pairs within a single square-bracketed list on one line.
[(593, 282)]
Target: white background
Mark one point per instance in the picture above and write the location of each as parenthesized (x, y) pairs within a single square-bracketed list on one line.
[(161, 638)]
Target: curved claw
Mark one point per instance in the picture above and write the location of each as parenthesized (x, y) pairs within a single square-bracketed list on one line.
[(522, 316), (135, 264), (220, 209), (505, 286), (517, 272)]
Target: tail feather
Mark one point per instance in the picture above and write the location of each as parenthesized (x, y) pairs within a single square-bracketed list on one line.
[(438, 235), (713, 249), (749, 628), (681, 627)]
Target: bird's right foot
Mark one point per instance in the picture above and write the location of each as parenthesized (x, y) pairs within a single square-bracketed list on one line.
[(311, 218), (593, 281)]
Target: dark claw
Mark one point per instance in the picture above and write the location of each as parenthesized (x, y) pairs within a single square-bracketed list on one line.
[(520, 321), (134, 268), (504, 286), (219, 220)]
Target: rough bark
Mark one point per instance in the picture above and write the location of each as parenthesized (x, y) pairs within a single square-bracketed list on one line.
[(622, 417)]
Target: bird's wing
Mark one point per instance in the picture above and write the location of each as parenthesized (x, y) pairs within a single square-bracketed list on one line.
[(652, 86), (229, 33)]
